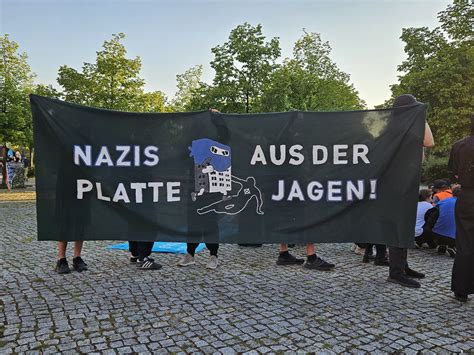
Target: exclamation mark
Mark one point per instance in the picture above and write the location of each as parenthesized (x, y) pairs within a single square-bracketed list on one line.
[(373, 189)]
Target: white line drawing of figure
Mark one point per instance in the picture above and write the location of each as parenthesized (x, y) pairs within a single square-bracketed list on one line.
[(235, 204)]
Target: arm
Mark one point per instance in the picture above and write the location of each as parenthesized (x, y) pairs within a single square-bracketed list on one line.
[(428, 140)]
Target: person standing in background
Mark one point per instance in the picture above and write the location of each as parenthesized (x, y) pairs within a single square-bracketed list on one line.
[(461, 163), (399, 271)]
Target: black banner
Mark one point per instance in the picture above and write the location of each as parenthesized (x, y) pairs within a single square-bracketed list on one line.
[(293, 177)]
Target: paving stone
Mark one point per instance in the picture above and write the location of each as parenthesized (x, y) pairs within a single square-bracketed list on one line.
[(243, 306)]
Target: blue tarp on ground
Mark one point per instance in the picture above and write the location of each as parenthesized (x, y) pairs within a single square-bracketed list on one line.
[(162, 247)]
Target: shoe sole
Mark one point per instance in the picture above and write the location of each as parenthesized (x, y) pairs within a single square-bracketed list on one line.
[(211, 267), (416, 277), (149, 268), (283, 263), (187, 264), (80, 270), (63, 272), (319, 268), (402, 283)]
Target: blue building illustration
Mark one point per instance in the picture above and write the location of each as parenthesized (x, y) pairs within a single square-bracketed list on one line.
[(212, 166)]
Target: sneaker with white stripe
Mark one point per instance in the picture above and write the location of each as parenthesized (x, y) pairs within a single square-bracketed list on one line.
[(148, 264)]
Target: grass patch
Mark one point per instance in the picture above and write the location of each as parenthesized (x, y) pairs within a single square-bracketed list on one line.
[(327, 346)]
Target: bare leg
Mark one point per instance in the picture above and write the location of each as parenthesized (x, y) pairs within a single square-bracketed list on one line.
[(310, 249), (283, 247), (78, 247), (62, 250)]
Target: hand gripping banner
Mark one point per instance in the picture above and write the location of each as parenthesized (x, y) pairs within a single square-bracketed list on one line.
[(293, 177)]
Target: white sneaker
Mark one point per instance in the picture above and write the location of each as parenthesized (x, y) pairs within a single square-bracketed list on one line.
[(187, 260), (213, 263)]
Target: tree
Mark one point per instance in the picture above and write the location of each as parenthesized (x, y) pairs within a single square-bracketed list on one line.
[(152, 102), (243, 65), (112, 82), (16, 84), (310, 81), (248, 79), (188, 84), (439, 70)]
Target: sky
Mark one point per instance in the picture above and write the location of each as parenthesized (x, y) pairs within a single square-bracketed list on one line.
[(172, 36)]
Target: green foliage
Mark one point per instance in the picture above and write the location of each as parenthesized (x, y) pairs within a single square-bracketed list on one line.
[(439, 70), (112, 82), (47, 91), (17, 83), (188, 84), (435, 168), (248, 79), (154, 101), (243, 65), (310, 81)]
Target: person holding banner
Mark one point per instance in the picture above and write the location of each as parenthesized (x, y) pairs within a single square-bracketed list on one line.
[(73, 216), (62, 266), (205, 223), (399, 271), (461, 163)]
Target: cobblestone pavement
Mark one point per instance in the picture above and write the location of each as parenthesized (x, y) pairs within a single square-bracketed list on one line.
[(247, 304)]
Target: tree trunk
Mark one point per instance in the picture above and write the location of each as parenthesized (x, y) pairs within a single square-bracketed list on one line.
[(4, 167), (32, 157)]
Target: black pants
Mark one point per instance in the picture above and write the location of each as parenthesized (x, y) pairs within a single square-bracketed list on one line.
[(463, 268), (398, 261), (140, 249), (211, 246), (381, 250), (426, 237)]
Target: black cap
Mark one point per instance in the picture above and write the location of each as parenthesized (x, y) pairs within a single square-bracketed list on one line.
[(404, 100), (439, 184)]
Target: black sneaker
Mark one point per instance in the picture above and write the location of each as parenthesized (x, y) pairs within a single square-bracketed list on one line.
[(451, 251), (148, 264), (62, 267), (404, 281), (414, 274), (318, 264), (133, 259), (79, 264), (365, 258), (442, 249), (288, 259), (460, 298), (382, 262)]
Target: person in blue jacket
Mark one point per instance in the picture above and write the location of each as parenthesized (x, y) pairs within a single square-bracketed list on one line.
[(442, 223)]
